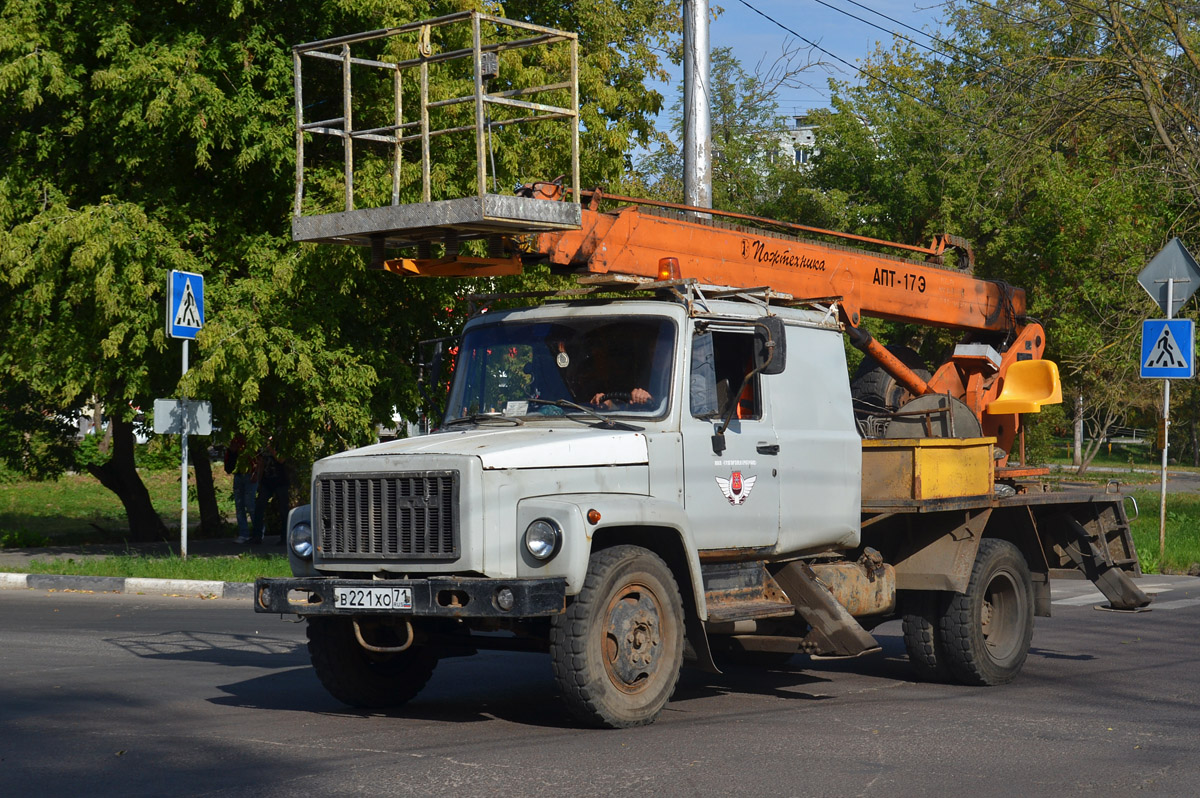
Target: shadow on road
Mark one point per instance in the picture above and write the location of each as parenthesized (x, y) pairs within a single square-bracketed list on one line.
[(235, 650), (519, 687)]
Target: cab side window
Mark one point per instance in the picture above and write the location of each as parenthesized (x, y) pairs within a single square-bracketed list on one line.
[(728, 357)]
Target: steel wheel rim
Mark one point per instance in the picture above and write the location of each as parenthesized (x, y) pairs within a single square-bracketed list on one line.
[(632, 642), (1000, 612)]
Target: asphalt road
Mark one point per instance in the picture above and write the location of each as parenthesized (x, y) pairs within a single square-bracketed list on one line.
[(109, 694)]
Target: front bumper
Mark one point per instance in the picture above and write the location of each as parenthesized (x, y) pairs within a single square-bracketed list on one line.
[(436, 597)]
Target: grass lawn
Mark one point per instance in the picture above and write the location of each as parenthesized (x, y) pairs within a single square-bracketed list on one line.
[(77, 509), (1120, 455), (1183, 532), (243, 568)]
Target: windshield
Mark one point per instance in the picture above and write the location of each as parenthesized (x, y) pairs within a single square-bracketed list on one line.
[(612, 366)]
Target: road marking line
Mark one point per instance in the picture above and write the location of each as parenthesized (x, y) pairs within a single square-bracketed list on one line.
[(1096, 595), (1177, 604), (1079, 601), (1145, 588)]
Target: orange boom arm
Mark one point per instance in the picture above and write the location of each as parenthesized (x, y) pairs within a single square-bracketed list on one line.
[(631, 241)]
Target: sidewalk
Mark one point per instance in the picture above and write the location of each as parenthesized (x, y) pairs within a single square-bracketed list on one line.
[(18, 560)]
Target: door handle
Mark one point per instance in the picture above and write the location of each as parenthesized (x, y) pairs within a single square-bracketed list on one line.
[(767, 448)]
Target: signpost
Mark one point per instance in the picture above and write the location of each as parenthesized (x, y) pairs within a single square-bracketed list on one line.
[(1168, 346), (185, 317), (1168, 350), (182, 417)]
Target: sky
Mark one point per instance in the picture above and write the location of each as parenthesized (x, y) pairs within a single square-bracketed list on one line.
[(754, 38)]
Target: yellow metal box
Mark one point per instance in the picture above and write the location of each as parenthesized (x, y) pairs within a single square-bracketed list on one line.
[(914, 470)]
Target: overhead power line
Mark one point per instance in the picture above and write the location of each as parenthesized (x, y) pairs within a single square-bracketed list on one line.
[(900, 90), (1025, 80)]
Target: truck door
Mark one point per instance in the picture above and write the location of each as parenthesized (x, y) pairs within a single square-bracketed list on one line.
[(732, 497), (820, 451)]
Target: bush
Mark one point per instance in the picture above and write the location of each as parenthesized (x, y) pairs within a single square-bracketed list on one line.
[(9, 476), (22, 539), (88, 453), (1040, 445), (160, 453)]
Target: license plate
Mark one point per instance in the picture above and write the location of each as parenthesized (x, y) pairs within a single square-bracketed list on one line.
[(373, 598)]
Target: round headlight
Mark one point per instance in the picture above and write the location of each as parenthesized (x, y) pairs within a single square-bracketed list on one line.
[(542, 539), (300, 538)]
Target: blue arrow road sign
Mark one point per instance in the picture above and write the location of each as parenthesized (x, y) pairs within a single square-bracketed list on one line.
[(185, 304), (1168, 349)]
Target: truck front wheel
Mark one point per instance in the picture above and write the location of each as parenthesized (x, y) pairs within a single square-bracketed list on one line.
[(618, 648), (986, 631), (362, 678)]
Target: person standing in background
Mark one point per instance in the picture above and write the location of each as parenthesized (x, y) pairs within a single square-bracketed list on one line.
[(245, 485), (272, 487)]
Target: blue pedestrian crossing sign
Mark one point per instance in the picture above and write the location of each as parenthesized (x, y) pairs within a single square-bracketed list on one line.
[(1168, 349), (185, 304)]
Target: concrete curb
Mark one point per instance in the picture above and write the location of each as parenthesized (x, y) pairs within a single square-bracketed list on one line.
[(132, 585)]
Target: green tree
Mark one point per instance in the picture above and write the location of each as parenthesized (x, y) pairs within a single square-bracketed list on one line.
[(1055, 198), (144, 136)]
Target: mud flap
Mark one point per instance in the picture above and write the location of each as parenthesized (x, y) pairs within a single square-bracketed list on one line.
[(696, 649)]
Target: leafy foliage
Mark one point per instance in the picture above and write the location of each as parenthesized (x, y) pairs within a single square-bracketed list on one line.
[(142, 137), (1020, 145)]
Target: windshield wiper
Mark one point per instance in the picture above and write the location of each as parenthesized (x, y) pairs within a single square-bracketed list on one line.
[(479, 418), (605, 421)]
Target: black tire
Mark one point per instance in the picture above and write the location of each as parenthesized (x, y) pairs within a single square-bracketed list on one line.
[(362, 678), (874, 390), (922, 640), (987, 630), (617, 650)]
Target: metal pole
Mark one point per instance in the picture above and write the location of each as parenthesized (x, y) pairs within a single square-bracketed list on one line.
[(299, 85), (480, 154), (575, 118), (697, 122), (425, 173), (183, 469), (397, 152), (1162, 499)]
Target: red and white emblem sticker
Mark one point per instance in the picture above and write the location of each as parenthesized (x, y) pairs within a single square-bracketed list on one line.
[(736, 488)]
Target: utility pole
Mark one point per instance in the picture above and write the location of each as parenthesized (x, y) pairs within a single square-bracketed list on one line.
[(697, 121)]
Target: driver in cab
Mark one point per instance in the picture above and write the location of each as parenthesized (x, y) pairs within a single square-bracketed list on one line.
[(612, 388)]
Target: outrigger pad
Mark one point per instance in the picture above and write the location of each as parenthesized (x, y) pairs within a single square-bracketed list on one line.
[(1116, 586)]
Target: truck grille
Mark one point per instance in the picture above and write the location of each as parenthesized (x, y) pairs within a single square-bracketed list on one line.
[(401, 516)]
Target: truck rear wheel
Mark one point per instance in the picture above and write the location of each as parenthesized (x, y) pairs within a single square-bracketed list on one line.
[(362, 678), (987, 630), (922, 639), (618, 648)]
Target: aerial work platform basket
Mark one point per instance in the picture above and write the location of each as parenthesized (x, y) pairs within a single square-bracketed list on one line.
[(445, 79)]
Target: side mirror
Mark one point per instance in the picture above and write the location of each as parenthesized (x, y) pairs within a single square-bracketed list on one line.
[(771, 349)]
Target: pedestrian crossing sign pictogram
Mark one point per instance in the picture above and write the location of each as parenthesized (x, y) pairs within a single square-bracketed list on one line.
[(1168, 349), (185, 304)]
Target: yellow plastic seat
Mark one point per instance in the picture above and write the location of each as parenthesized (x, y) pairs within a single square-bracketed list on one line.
[(1028, 385)]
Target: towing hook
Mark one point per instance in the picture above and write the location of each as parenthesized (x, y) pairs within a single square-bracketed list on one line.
[(383, 649)]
